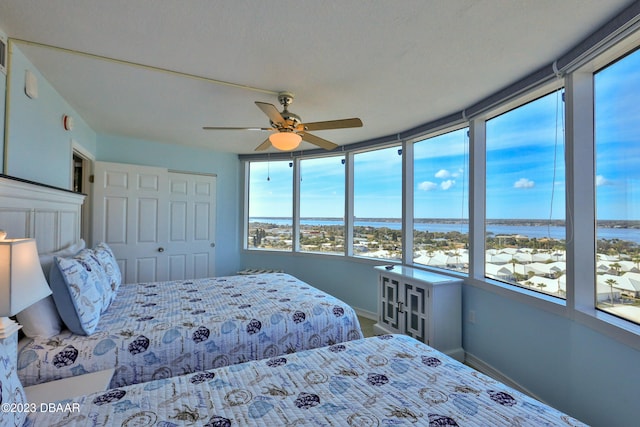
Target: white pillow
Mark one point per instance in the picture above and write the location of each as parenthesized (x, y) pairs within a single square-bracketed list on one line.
[(40, 319), (70, 251)]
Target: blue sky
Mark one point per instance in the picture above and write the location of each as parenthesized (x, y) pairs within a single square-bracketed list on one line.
[(617, 117), (525, 165), (525, 176)]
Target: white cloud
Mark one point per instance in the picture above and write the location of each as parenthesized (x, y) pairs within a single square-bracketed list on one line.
[(601, 180), (427, 186), (445, 185), (524, 183), (442, 173)]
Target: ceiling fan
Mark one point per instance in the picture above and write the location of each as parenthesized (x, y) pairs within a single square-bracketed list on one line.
[(289, 129)]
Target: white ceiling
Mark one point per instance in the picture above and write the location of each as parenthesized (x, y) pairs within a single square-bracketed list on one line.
[(396, 64)]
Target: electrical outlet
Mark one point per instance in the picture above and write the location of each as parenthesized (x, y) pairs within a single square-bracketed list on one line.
[(472, 316)]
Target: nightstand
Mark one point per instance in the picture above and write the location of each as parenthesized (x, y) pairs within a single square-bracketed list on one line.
[(67, 388)]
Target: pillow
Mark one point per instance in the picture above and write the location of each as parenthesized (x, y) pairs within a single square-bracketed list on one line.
[(11, 392), (109, 264), (78, 291), (42, 319), (46, 259)]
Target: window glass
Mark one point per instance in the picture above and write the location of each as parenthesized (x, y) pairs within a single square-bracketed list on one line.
[(525, 197), (617, 136), (322, 205), (270, 205), (441, 202), (378, 204)]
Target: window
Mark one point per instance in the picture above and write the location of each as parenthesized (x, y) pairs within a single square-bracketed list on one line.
[(377, 227), (322, 205), (525, 197), (270, 205), (441, 201), (617, 137)]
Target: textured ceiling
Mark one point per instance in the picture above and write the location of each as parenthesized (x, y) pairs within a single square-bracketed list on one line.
[(395, 64)]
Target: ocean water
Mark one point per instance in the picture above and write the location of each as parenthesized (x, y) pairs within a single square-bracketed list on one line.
[(554, 232)]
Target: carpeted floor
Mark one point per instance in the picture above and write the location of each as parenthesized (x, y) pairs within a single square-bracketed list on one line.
[(367, 326)]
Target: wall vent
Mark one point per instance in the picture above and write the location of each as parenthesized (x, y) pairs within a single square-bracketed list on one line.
[(3, 54)]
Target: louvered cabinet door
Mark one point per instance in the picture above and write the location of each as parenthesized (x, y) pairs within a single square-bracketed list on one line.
[(389, 310), (424, 305)]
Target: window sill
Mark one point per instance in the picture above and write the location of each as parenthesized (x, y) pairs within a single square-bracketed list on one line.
[(608, 325)]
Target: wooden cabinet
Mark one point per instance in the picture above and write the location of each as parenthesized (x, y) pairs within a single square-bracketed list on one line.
[(426, 306)]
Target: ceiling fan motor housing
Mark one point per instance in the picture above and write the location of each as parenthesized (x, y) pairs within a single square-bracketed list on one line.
[(292, 120), (285, 98)]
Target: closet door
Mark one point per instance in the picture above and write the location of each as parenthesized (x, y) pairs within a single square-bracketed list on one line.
[(155, 223), (190, 248)]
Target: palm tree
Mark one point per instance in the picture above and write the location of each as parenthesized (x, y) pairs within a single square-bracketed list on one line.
[(616, 267), (611, 282), (558, 276)]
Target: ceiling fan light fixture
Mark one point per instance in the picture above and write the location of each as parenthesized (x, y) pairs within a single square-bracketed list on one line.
[(285, 141)]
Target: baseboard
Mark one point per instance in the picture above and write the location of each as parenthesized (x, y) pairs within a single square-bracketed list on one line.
[(492, 372), (366, 314)]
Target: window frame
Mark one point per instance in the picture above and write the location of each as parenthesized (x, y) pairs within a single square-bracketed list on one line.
[(543, 92), (578, 80)]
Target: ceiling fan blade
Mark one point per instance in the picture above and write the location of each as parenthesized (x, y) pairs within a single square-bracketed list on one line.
[(334, 124), (316, 140), (271, 112), (266, 144), (232, 128)]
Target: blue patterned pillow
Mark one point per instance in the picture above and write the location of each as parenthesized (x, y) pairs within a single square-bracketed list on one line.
[(78, 285), (11, 391), (108, 261)]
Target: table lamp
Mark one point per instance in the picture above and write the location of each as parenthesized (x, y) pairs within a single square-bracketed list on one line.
[(22, 281)]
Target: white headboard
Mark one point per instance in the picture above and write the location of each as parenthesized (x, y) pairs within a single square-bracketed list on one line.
[(48, 214)]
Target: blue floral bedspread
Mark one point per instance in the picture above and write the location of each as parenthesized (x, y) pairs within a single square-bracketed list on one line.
[(386, 380), (163, 329)]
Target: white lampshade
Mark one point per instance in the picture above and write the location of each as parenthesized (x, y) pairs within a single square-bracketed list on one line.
[(22, 281), (285, 141)]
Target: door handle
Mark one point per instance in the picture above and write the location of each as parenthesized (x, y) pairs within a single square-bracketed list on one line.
[(161, 249), (213, 245)]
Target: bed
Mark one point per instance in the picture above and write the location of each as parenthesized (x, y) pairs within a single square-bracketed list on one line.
[(159, 330), (151, 331), (385, 380)]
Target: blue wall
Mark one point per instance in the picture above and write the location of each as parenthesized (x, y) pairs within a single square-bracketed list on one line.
[(3, 93), (559, 360), (353, 281), (226, 166), (38, 148), (562, 361)]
